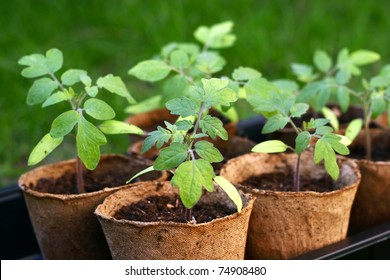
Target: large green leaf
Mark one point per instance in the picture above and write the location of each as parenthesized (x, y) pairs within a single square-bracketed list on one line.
[(322, 60), (275, 123), (189, 177), (302, 141), (245, 74), (150, 70), (230, 190), (98, 109), (171, 156), (118, 127), (182, 106), (270, 146), (88, 140), (40, 91), (213, 127), (114, 84), (208, 152), (44, 147), (64, 123), (72, 76)]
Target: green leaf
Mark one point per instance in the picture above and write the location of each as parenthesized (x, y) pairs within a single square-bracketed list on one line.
[(275, 123), (175, 86), (245, 74), (322, 61), (210, 62), (343, 98), (230, 190), (310, 91), (378, 106), (259, 92), (86, 80), (37, 65), (142, 172), (184, 125), (270, 146), (322, 130), (171, 156), (92, 91), (55, 98), (321, 99), (298, 109), (216, 36), (334, 141), (182, 106), (44, 147), (118, 127), (114, 84), (40, 91), (319, 151), (331, 116), (208, 152), (213, 127), (88, 140), (324, 151), (320, 122), (54, 60), (302, 141), (189, 177), (343, 77), (303, 72), (144, 106), (72, 76), (363, 57), (150, 70), (179, 59), (98, 109), (353, 129), (64, 123), (158, 137)]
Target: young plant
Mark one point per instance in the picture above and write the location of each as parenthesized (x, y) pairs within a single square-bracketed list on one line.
[(76, 88), (182, 65), (279, 106), (374, 97), (189, 155)]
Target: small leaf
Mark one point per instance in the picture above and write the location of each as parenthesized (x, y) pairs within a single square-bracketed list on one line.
[(184, 125), (40, 91), (114, 84), (55, 98), (118, 127), (323, 130), (72, 76), (98, 109), (179, 59), (319, 151), (298, 109), (334, 141), (353, 129), (363, 57), (175, 86), (270, 146), (230, 190), (213, 127), (302, 141), (182, 106), (45, 146), (275, 123), (343, 98), (344, 140), (158, 137), (216, 36), (37, 65), (303, 72), (142, 172), (150, 70), (245, 74), (208, 152), (331, 116), (378, 106), (320, 122), (171, 156), (54, 59), (189, 177), (92, 91), (343, 77), (322, 61), (210, 62), (64, 123)]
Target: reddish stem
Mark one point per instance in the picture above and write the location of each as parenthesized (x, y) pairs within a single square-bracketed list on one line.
[(79, 175), (297, 174)]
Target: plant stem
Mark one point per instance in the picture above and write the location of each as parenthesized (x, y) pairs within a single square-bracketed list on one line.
[(79, 175), (297, 174), (367, 118), (188, 214)]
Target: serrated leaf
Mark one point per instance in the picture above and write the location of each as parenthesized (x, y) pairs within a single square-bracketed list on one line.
[(44, 147), (171, 156), (210, 62), (275, 123), (302, 141), (55, 98), (245, 74), (72, 76), (40, 91), (118, 127), (216, 36), (189, 177), (363, 57), (298, 109), (114, 84), (64, 123), (179, 59), (230, 190), (208, 152), (98, 109), (222, 97), (54, 60), (88, 140), (331, 116), (343, 98), (213, 127), (322, 61), (270, 146), (286, 86), (184, 125), (158, 137), (150, 70), (182, 106)]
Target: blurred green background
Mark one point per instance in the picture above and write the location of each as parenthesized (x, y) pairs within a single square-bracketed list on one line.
[(103, 37)]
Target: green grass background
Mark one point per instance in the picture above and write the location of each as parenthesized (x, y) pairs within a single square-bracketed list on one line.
[(111, 36)]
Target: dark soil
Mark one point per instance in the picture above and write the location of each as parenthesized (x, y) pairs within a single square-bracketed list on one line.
[(284, 182), (377, 154), (170, 209), (67, 184)]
